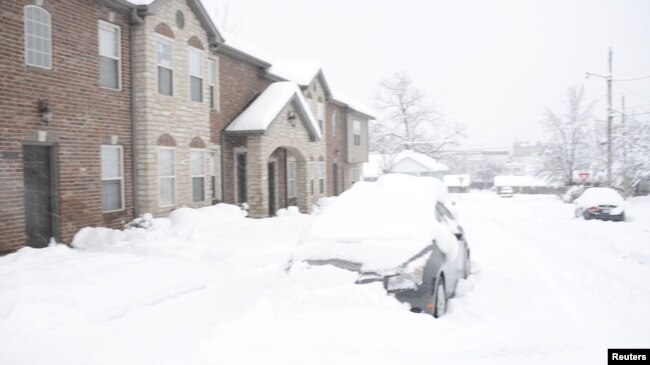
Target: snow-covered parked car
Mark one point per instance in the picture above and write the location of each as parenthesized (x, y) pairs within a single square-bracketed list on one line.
[(397, 232), (600, 203), (506, 192)]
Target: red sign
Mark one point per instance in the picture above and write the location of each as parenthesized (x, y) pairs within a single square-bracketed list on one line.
[(583, 176)]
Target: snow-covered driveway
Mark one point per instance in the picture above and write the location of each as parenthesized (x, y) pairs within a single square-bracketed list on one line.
[(552, 288), (546, 288)]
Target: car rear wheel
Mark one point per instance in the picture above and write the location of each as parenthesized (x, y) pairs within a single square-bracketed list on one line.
[(440, 299)]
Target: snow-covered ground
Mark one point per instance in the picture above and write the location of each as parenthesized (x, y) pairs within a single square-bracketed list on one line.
[(546, 288)]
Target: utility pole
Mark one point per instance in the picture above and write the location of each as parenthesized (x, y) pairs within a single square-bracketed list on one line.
[(624, 143), (610, 115), (609, 121)]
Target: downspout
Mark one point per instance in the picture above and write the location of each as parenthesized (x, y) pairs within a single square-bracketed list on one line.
[(136, 20), (223, 165), (222, 133)]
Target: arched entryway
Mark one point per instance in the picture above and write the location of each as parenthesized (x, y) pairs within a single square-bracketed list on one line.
[(286, 180)]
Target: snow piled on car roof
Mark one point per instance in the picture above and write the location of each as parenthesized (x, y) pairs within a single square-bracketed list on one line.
[(378, 224), (600, 196)]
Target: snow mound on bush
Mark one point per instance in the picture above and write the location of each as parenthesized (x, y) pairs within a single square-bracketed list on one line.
[(181, 235), (288, 212)]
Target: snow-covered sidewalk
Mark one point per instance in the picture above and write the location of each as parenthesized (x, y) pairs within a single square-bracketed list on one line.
[(546, 288)]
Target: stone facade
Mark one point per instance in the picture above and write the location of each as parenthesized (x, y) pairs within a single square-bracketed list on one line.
[(307, 152), (85, 117), (177, 115)]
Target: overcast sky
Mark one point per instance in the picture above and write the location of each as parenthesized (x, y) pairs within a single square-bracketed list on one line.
[(493, 65)]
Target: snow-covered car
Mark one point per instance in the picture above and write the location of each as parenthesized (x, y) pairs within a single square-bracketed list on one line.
[(397, 232), (506, 192), (600, 203)]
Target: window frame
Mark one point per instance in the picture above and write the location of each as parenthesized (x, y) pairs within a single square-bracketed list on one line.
[(121, 178), (192, 175), (160, 37), (334, 123), (291, 180), (213, 83), (214, 158), (194, 50), (100, 24), (321, 177), (160, 177), (26, 35), (356, 133)]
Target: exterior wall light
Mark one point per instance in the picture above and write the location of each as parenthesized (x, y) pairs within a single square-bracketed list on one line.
[(291, 118), (44, 109)]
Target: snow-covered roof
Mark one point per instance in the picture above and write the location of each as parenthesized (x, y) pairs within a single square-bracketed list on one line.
[(510, 180), (259, 115), (378, 163), (352, 104), (245, 47), (462, 181), (422, 159), (300, 72), (140, 2)]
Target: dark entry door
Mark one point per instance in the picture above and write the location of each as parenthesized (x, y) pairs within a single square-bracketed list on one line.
[(37, 170), (271, 170), (242, 196)]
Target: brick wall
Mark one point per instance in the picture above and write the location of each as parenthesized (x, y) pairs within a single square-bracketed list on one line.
[(85, 116), (336, 146), (239, 84)]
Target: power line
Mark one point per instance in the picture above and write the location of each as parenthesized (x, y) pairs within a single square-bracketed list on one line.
[(629, 115), (637, 78), (633, 93)]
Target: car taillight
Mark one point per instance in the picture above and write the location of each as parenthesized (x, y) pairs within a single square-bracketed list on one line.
[(593, 209)]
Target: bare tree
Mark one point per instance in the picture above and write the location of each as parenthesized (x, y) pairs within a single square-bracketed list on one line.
[(408, 121), (223, 17), (567, 148)]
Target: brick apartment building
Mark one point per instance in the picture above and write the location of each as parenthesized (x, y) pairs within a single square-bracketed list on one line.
[(210, 119), (65, 119)]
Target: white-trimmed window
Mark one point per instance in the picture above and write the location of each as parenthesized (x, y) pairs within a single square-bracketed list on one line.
[(321, 177), (112, 171), (165, 56), (167, 176), (109, 55), (320, 114), (38, 37), (198, 175), (356, 132), (196, 74), (311, 177), (214, 171), (291, 178), (214, 84), (334, 123)]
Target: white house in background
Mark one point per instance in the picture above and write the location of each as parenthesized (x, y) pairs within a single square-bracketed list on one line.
[(457, 183), (406, 162), (523, 184)]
